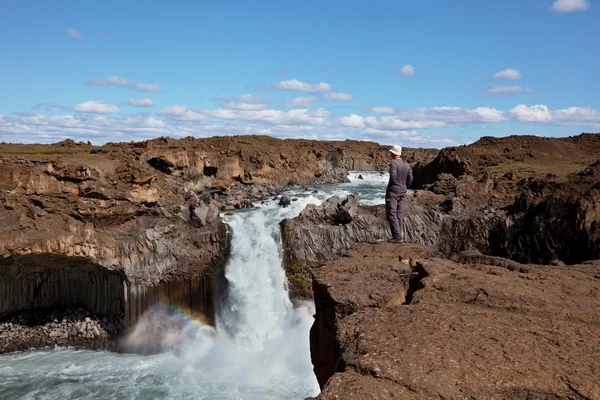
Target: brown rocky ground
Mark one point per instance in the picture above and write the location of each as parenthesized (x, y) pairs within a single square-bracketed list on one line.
[(486, 328), (521, 157), (463, 322)]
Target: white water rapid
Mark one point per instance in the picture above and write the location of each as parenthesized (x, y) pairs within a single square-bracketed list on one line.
[(260, 349)]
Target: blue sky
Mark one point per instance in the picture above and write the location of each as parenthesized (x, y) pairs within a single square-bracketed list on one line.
[(426, 73)]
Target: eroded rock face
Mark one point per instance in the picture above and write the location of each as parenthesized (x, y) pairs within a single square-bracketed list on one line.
[(149, 210), (546, 221), (555, 221), (471, 330), (324, 233), (38, 281)]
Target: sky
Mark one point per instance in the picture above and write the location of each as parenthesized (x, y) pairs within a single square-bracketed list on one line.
[(418, 73)]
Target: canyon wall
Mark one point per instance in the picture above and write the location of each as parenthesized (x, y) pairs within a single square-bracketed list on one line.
[(114, 229)]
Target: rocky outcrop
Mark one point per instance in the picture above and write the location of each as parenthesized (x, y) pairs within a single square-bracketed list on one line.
[(512, 157), (326, 232), (109, 236), (479, 330), (555, 221)]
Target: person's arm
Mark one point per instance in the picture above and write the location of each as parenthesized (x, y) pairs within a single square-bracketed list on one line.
[(409, 177), (393, 172)]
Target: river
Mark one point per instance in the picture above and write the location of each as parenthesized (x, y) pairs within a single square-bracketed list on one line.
[(259, 350)]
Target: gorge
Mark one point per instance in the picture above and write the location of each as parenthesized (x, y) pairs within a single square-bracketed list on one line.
[(184, 235)]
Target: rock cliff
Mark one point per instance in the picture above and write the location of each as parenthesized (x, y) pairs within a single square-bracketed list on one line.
[(397, 321), (535, 220), (147, 213), (326, 232)]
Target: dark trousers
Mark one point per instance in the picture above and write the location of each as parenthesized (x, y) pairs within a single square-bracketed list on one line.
[(394, 211)]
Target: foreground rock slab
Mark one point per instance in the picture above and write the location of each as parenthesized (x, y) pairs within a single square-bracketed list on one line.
[(476, 329)]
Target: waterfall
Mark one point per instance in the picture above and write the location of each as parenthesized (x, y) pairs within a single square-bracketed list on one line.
[(257, 314), (259, 349)]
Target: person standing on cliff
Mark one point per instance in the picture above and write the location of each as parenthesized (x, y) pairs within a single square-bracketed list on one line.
[(395, 195)]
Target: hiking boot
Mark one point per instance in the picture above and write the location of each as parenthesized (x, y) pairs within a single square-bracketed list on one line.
[(395, 240)]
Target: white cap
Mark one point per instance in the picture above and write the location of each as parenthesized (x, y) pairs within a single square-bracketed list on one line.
[(397, 150)]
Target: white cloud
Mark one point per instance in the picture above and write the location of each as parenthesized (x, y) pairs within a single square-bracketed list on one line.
[(382, 110), (298, 86), (537, 113), (391, 134), (565, 6), (246, 102), (181, 113), (147, 87), (96, 107), (407, 70), (301, 102), (403, 126), (395, 123), (452, 115), (501, 89), (74, 33), (353, 120), (141, 102), (118, 81), (426, 118), (509, 74), (541, 114), (338, 96), (411, 137), (292, 117)]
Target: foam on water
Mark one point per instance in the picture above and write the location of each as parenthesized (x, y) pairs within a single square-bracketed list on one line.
[(260, 349)]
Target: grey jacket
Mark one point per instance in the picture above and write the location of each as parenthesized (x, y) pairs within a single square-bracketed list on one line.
[(400, 178)]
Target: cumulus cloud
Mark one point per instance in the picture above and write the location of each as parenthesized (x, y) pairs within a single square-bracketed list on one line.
[(407, 70), (426, 118), (541, 114), (96, 107), (74, 33), (338, 96), (566, 6), (292, 117), (353, 121), (404, 125), (98, 129), (507, 90), (120, 82), (395, 123), (246, 102), (298, 86), (301, 102), (509, 74), (412, 137), (181, 113), (382, 110), (146, 102)]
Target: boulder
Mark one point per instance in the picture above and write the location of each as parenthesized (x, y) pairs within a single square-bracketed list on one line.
[(203, 214), (284, 201)]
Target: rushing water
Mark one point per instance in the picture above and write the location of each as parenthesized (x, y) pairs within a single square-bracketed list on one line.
[(260, 349)]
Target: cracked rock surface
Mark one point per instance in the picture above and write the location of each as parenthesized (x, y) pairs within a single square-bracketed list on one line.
[(480, 328)]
